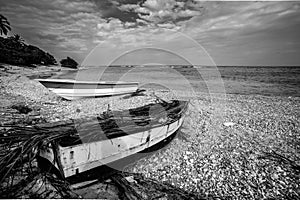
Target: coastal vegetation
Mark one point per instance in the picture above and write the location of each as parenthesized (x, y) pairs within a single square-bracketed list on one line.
[(4, 25), (14, 50), (69, 62)]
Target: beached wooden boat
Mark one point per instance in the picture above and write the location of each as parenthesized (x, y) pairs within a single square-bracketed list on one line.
[(114, 136), (72, 89)]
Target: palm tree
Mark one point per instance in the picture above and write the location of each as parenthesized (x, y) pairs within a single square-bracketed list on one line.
[(18, 38), (4, 25)]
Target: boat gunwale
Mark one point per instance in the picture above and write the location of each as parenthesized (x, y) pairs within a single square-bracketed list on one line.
[(71, 81), (157, 126), (183, 105)]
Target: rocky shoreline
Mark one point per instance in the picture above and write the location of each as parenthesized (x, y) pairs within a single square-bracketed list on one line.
[(256, 156)]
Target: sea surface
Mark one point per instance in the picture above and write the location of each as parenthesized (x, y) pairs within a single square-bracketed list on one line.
[(269, 81)]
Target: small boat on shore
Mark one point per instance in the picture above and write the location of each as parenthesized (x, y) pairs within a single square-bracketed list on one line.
[(113, 136), (72, 89)]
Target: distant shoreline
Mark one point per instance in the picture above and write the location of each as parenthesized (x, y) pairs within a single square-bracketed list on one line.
[(185, 66)]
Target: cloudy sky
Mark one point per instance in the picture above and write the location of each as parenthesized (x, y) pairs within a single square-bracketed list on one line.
[(225, 33)]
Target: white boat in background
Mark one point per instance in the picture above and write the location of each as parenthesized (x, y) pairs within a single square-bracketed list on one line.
[(113, 138), (72, 89)]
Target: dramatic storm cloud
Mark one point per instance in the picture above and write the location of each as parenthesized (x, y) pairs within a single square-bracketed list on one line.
[(232, 33)]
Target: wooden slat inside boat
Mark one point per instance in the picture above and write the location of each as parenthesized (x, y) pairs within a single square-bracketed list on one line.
[(113, 136)]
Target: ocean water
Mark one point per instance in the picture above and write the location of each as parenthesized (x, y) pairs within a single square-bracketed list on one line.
[(269, 81)]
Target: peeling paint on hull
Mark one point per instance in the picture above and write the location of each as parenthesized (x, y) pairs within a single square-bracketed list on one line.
[(75, 158), (83, 157)]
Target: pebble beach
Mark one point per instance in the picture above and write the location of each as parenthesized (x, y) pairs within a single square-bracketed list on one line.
[(251, 151)]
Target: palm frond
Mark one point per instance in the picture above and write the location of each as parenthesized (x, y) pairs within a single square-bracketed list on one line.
[(4, 25)]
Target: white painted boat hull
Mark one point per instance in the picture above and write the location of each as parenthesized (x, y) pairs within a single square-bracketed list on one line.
[(91, 155), (83, 157), (96, 147), (73, 94), (72, 89)]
